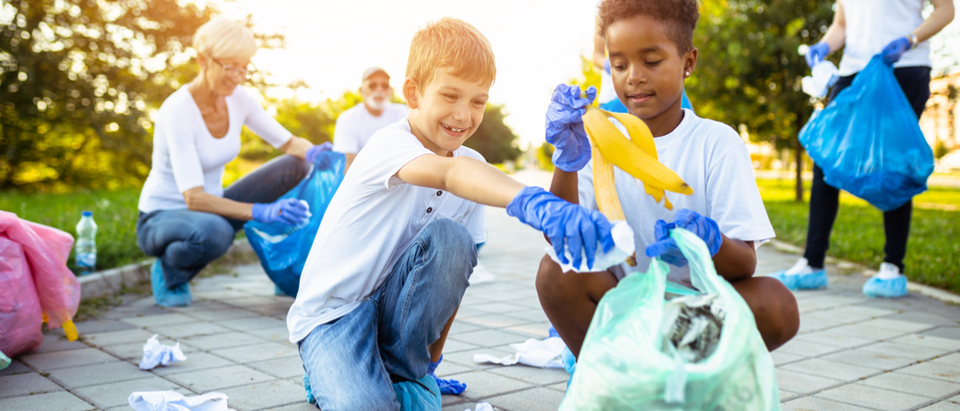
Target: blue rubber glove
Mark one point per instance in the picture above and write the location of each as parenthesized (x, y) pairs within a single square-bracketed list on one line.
[(893, 51), (288, 211), (314, 152), (563, 223), (817, 53), (446, 386), (666, 248), (565, 127)]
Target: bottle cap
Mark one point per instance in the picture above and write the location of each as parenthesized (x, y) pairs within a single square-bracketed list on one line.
[(87, 213)]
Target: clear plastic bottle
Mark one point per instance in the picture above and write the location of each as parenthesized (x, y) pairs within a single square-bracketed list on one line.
[(85, 250)]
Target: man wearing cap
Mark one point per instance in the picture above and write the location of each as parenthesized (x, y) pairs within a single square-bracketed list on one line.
[(356, 125)]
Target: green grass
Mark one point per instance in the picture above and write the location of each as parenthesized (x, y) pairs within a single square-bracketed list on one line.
[(114, 211), (933, 253)]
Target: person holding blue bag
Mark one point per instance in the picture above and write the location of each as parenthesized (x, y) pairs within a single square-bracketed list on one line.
[(186, 218), (898, 32)]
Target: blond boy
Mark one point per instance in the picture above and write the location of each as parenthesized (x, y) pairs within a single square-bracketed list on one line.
[(396, 247)]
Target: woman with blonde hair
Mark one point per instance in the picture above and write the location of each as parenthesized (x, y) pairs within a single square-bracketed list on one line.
[(186, 217)]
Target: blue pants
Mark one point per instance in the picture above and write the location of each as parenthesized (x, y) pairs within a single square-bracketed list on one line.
[(186, 241), (352, 361)]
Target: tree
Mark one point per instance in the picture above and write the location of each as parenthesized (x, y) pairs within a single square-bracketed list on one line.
[(78, 81), (494, 139), (749, 71)]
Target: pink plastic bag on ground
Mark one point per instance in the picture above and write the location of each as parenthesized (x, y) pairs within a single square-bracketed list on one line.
[(46, 250), (20, 313)]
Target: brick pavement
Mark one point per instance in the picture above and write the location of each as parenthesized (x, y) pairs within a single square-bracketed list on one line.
[(852, 353)]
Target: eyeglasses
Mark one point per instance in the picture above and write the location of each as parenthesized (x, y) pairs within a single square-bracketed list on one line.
[(232, 71)]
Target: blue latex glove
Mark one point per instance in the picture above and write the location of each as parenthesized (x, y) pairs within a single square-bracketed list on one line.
[(314, 152), (565, 127), (446, 386), (563, 223), (817, 53), (666, 248), (893, 51), (288, 211)]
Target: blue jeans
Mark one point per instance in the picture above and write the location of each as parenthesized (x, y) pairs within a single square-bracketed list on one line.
[(352, 361), (186, 241)]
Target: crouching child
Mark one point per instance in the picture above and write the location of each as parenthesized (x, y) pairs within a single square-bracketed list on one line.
[(397, 244)]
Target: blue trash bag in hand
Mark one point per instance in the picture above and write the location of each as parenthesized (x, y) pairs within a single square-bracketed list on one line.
[(868, 141), (282, 248)]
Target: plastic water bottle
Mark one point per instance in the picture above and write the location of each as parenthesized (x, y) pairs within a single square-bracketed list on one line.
[(85, 250)]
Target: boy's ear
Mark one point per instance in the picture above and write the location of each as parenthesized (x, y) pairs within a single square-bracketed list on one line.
[(411, 92), (689, 62)]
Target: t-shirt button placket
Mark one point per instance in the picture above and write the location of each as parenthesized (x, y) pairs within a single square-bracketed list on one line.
[(429, 210)]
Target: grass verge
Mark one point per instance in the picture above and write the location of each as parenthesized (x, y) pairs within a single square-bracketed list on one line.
[(933, 252)]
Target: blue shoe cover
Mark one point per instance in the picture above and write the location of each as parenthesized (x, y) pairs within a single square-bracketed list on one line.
[(809, 281), (278, 291), (306, 385), (177, 297), (876, 287)]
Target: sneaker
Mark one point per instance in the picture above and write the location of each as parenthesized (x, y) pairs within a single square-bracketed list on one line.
[(179, 296), (888, 283), (802, 276)]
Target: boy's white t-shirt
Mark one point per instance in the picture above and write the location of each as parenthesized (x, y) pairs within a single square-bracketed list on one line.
[(711, 158), (186, 155), (356, 125), (370, 222)]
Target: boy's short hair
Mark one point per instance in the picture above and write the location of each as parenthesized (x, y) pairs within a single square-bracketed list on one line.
[(450, 44), (678, 16)]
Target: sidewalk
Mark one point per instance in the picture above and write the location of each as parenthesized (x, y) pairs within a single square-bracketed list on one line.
[(852, 353)]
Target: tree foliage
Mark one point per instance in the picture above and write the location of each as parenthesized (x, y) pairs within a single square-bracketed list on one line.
[(494, 139), (78, 81), (748, 71)]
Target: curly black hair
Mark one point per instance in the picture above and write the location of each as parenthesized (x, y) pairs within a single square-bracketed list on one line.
[(678, 16)]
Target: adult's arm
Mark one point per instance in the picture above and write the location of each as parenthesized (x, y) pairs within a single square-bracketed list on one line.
[(463, 177), (199, 200), (941, 16), (836, 34), (736, 259), (297, 147)]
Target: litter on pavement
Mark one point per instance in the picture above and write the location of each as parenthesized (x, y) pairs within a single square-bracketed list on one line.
[(155, 354)]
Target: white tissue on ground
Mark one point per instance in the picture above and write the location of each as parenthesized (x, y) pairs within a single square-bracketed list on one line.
[(155, 353), (623, 248), (174, 401), (482, 406), (824, 75), (481, 275), (535, 353)]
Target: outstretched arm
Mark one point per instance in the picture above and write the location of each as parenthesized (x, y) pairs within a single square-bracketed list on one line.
[(463, 177), (942, 16)]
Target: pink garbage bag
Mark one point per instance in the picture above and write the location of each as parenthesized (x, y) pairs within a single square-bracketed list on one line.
[(46, 250), (20, 313)]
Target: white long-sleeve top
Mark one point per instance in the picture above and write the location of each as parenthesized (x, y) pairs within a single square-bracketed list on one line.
[(186, 155)]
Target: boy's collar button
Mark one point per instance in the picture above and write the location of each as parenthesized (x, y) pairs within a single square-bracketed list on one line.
[(429, 209), (439, 192)]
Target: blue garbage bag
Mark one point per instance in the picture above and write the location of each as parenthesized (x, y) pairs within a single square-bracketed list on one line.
[(868, 141), (283, 249)]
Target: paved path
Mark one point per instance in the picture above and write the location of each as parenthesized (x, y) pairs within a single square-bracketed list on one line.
[(852, 353)]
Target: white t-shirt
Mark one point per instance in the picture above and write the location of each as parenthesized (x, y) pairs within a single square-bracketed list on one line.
[(186, 155), (371, 221), (872, 24), (356, 125), (711, 158)]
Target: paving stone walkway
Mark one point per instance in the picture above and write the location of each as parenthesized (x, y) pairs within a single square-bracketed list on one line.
[(852, 353)]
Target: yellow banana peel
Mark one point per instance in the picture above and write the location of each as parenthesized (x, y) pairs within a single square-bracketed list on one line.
[(636, 155)]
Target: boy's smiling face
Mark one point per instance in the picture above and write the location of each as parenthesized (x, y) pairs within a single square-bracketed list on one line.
[(648, 70), (446, 112)]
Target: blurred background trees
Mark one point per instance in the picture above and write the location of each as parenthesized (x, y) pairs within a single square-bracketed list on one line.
[(749, 70)]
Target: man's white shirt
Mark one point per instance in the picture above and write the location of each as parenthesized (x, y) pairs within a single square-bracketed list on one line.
[(356, 126)]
